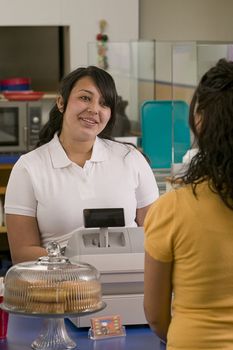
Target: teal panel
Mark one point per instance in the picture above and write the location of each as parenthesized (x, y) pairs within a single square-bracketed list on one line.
[(156, 122)]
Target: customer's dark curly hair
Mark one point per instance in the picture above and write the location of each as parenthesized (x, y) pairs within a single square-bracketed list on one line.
[(212, 105)]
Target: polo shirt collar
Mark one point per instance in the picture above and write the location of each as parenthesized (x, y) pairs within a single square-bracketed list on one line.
[(60, 159), (99, 152)]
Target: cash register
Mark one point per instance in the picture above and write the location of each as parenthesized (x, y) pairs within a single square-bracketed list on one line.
[(117, 252)]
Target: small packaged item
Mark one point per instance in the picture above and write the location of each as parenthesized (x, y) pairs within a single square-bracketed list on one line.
[(106, 327)]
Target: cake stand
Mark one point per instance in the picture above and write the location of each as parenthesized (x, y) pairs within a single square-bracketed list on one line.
[(51, 271), (53, 335)]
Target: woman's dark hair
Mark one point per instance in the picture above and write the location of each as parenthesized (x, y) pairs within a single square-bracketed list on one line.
[(211, 121), (105, 84)]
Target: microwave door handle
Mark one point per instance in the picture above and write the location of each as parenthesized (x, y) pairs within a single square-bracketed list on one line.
[(25, 135)]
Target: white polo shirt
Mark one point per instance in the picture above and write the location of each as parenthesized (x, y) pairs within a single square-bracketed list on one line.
[(46, 184)]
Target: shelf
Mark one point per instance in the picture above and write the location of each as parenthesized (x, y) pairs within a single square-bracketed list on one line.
[(2, 190), (5, 166)]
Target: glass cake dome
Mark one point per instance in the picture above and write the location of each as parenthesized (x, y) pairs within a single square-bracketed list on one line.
[(52, 285)]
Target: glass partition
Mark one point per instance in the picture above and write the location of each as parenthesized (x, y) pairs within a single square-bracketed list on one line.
[(184, 80), (156, 81), (209, 54), (189, 62), (132, 65)]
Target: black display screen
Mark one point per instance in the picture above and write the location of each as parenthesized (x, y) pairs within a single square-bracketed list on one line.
[(104, 217)]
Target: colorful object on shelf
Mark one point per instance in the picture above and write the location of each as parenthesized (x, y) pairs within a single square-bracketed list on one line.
[(102, 47), (9, 158), (23, 95), (15, 84)]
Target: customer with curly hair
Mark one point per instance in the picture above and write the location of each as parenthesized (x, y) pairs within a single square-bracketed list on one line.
[(189, 231)]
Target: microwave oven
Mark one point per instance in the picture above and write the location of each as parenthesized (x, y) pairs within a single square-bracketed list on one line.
[(20, 124)]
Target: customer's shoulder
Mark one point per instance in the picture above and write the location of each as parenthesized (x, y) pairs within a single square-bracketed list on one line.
[(175, 195)]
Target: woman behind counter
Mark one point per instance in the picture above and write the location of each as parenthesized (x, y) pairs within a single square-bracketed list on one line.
[(75, 166), (189, 231)]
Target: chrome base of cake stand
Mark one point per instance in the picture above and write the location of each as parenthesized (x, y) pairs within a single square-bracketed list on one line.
[(53, 336)]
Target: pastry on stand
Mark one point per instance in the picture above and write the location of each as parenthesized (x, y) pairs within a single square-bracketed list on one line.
[(53, 288)]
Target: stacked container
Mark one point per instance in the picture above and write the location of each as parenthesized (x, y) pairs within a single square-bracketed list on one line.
[(15, 84)]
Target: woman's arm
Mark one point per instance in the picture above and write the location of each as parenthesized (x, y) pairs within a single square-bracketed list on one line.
[(141, 214), (24, 238), (157, 295), (147, 189)]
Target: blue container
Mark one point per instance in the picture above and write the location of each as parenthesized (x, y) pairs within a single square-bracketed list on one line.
[(18, 87)]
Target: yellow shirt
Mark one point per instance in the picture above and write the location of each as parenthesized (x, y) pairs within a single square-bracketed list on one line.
[(196, 234)]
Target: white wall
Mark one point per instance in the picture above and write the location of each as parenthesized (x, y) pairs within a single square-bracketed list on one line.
[(82, 16), (186, 20), (171, 22)]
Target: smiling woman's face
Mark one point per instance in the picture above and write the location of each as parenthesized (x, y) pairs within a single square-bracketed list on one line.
[(86, 114)]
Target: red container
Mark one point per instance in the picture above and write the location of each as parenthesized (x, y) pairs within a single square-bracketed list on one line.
[(3, 321), (15, 81), (23, 95), (15, 84)]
